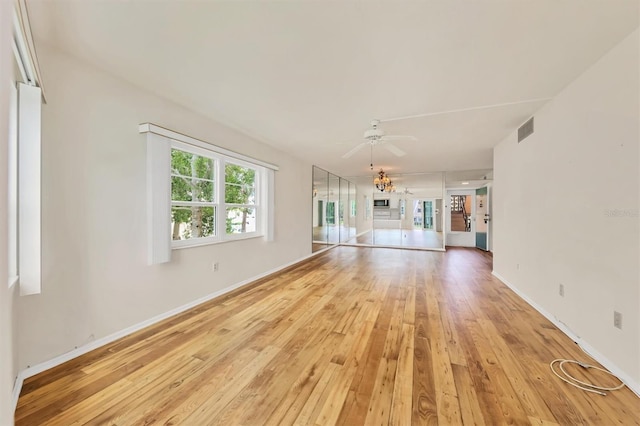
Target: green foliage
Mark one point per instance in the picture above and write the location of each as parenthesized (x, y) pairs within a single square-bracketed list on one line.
[(239, 189), (239, 184), (192, 181)]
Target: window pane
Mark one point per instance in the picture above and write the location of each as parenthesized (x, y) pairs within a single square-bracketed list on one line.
[(239, 184), (180, 189), (241, 220), (181, 162), (192, 222), (203, 168), (191, 165), (191, 189), (203, 190)]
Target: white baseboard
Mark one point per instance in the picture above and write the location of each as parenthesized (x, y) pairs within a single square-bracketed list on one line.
[(46, 365), (590, 350)]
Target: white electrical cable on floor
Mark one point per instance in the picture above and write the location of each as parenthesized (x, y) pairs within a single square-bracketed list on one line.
[(589, 387)]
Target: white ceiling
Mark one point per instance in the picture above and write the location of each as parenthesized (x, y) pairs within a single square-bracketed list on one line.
[(308, 76)]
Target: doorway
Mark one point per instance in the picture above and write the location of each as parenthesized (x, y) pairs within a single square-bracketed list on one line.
[(428, 214), (460, 214), (483, 217)]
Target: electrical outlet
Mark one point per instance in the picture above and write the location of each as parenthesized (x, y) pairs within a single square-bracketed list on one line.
[(215, 266), (617, 320), (561, 290)]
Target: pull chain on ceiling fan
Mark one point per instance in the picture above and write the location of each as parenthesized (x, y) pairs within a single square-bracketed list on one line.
[(371, 158)]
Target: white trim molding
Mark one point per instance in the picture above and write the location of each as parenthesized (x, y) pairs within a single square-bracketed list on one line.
[(153, 128), (158, 199), (586, 347), (29, 184), (24, 48)]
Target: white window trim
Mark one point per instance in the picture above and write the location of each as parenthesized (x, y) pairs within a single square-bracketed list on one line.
[(12, 181), (179, 137), (257, 205), (160, 141), (24, 202), (29, 184)]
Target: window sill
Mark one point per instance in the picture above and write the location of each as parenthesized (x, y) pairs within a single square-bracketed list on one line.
[(214, 242), (13, 281)]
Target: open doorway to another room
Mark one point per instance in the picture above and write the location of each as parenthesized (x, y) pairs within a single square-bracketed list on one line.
[(468, 208)]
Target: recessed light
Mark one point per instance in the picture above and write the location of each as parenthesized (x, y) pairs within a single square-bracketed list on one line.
[(465, 183)]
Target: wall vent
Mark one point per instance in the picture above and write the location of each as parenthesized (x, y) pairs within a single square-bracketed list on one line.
[(525, 130)]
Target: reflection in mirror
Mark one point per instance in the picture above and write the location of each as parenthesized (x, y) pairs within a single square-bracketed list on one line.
[(410, 216), (333, 210), (353, 211), (345, 211), (319, 202)]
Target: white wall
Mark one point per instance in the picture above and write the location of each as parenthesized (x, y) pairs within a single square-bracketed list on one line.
[(8, 368), (95, 278), (566, 208)]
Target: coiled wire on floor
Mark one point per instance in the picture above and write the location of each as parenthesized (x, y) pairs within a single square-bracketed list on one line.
[(589, 387)]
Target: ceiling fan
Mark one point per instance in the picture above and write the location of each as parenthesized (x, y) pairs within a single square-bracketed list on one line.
[(376, 136), (407, 192)]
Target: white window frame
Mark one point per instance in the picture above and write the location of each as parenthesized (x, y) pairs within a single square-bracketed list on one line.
[(216, 198), (160, 142), (12, 183), (24, 167), (257, 204)]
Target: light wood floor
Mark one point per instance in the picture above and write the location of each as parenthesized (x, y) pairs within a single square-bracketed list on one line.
[(354, 336)]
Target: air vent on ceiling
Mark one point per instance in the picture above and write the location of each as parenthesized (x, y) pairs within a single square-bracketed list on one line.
[(525, 130)]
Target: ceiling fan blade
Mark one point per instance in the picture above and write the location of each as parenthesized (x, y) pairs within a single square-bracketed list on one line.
[(395, 150), (354, 150), (399, 138)]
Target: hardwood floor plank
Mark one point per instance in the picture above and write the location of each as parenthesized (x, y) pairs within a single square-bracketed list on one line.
[(313, 406), (470, 410), (424, 407), (401, 407), (352, 336), (358, 343), (216, 398), (379, 409), (357, 403)]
